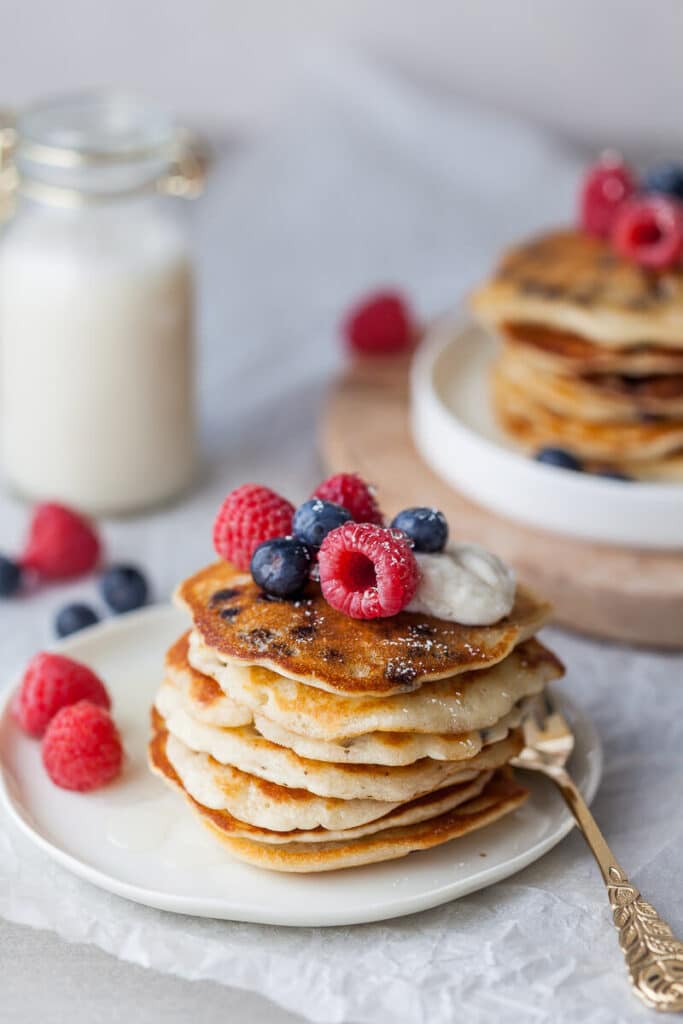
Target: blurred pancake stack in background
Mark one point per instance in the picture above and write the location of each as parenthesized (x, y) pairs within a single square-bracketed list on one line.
[(591, 360)]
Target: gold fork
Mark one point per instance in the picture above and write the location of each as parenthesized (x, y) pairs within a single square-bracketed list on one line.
[(654, 957)]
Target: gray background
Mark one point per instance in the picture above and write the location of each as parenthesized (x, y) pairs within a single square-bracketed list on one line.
[(606, 71)]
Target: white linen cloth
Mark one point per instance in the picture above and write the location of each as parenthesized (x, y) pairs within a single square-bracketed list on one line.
[(365, 182)]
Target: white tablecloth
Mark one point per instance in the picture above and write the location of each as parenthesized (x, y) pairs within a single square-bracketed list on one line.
[(367, 182)]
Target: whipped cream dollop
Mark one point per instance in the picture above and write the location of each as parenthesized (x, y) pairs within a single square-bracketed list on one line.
[(466, 584)]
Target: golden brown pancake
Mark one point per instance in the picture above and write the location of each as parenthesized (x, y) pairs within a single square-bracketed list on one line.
[(563, 352), (427, 806), (232, 762), (533, 426), (571, 281), (267, 849), (202, 690), (310, 641), (457, 704), (500, 796), (388, 748), (668, 469), (597, 398)]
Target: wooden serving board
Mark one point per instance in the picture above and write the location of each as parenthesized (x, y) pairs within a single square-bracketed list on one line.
[(609, 592)]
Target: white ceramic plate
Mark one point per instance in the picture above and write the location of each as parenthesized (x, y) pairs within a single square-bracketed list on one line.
[(455, 432), (139, 840)]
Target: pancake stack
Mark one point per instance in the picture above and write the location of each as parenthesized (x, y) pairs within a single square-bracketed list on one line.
[(592, 354), (309, 741)]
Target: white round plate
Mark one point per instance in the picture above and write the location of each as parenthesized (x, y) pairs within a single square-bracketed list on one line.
[(456, 434), (139, 840)]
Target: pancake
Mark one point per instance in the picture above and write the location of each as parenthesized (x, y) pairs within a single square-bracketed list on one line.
[(574, 282), (254, 805), (605, 398), (374, 748), (533, 426), (200, 693), (499, 797), (390, 748), (460, 704), (265, 804), (666, 470), (309, 641), (239, 752), (418, 825), (564, 352), (384, 748), (279, 808)]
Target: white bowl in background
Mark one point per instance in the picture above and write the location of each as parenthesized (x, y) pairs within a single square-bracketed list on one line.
[(456, 434)]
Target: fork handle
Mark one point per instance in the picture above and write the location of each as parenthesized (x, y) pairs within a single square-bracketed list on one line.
[(654, 957)]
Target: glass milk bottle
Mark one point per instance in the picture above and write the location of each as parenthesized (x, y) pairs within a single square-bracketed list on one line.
[(96, 389)]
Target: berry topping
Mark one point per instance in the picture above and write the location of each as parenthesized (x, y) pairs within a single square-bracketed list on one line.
[(250, 515), (124, 588), (10, 577), (381, 324), (315, 518), (605, 187), (426, 527), (367, 572), (61, 543), (666, 179), (73, 617), (52, 682), (558, 457), (281, 566), (348, 490), (649, 231), (82, 748)]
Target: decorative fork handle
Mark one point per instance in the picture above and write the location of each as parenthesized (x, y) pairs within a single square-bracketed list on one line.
[(654, 957)]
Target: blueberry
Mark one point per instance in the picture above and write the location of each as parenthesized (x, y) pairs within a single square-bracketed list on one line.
[(281, 566), (73, 617), (614, 474), (315, 518), (10, 577), (124, 588), (426, 527), (665, 178), (558, 457)]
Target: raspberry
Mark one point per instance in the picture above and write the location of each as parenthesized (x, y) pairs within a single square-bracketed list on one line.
[(353, 494), (250, 515), (50, 683), (367, 572), (605, 187), (381, 324), (61, 543), (649, 231), (82, 748)]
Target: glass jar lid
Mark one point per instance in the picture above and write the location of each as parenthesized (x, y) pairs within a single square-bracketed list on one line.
[(96, 146)]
